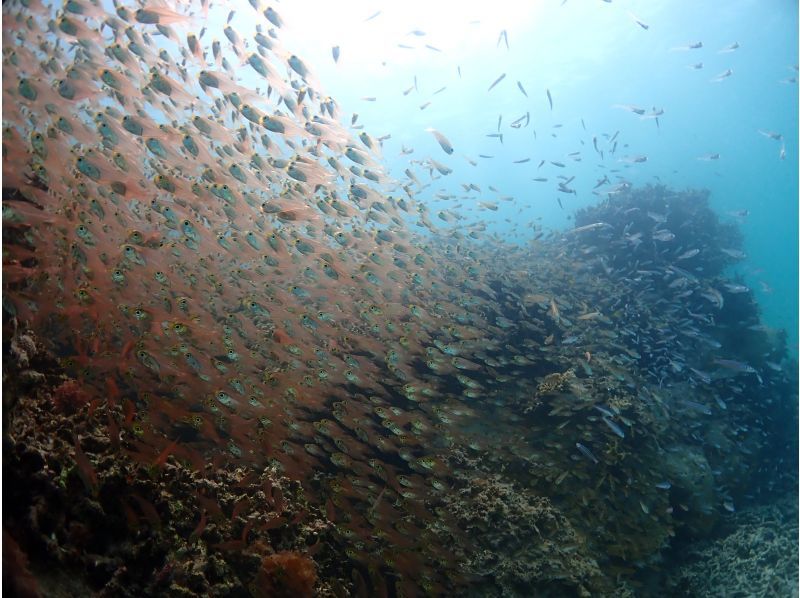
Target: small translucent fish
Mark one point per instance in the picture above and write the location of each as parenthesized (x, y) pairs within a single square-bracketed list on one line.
[(586, 453), (87, 168), (496, 81), (704, 376), (736, 366), (736, 288), (443, 141), (697, 406), (688, 254), (148, 360), (273, 17), (664, 485), (663, 235), (614, 427)]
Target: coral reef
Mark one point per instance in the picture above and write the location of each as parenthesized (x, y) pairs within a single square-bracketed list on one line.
[(150, 527), (240, 358), (755, 556), (527, 543), (585, 460), (285, 575)]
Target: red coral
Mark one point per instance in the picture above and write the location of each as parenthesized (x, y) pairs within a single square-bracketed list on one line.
[(69, 396), (285, 575)]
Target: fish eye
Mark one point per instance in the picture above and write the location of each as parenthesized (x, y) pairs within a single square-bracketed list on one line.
[(141, 353)]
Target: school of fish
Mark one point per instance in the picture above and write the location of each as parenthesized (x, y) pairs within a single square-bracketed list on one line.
[(235, 268)]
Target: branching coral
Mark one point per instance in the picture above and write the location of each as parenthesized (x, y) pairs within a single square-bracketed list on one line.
[(759, 558)]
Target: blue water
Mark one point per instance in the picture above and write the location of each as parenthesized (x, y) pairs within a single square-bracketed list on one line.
[(592, 56)]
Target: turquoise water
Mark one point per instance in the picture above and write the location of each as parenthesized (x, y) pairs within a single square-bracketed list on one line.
[(593, 57)]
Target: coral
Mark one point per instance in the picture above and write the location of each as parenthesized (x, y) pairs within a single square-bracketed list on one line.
[(690, 471), (23, 348), (167, 531), (285, 575), (758, 557), (69, 396), (554, 382), (524, 542)]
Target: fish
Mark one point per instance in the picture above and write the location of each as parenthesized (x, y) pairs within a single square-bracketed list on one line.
[(697, 406), (663, 235), (614, 427), (771, 134), (690, 46), (550, 99), (630, 108), (736, 288), (736, 366), (503, 37), (445, 170), (722, 76), (496, 81), (522, 89), (688, 254), (442, 140), (703, 376), (589, 227), (335, 53), (633, 159), (638, 21), (586, 453), (729, 48), (734, 253)]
